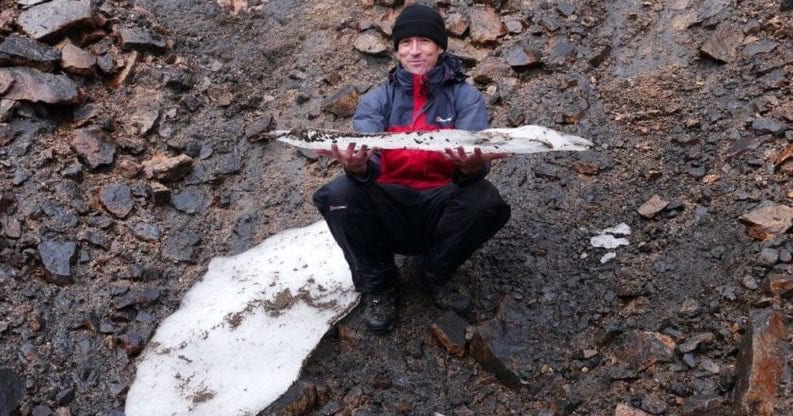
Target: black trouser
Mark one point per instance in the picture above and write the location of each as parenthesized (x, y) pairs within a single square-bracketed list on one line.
[(444, 225)]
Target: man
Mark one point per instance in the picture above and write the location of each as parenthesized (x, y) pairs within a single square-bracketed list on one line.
[(413, 202)]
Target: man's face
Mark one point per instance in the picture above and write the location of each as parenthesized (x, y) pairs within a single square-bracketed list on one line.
[(418, 55)]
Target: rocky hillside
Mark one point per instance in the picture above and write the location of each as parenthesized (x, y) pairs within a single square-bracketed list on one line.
[(649, 276)]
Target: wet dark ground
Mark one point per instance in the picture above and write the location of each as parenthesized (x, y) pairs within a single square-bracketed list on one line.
[(663, 118)]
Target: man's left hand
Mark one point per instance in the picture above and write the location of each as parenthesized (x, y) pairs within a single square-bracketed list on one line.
[(473, 163)]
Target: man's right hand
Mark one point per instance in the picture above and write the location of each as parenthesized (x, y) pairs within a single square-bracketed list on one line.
[(353, 160)]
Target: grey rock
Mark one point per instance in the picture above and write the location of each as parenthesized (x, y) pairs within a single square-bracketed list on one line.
[(723, 44), (189, 202), (12, 391), (11, 227), (786, 5), (146, 231), (519, 58), (768, 125), (371, 43), (50, 19), (60, 217), (117, 198), (21, 51), (58, 256), (768, 257), (142, 40), (180, 246), (36, 86)]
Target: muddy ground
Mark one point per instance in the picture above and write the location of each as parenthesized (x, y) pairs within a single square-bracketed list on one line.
[(688, 100)]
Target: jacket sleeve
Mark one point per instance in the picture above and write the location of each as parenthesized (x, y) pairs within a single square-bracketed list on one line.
[(471, 110), (370, 114), (471, 115)]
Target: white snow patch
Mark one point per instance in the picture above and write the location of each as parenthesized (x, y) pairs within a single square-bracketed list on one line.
[(608, 241), (240, 337), (621, 229), (608, 257)]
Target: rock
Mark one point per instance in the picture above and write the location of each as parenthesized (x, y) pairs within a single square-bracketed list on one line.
[(767, 125), (12, 391), (132, 342), (652, 207), (21, 51), (778, 285), (486, 26), (723, 44), (704, 405), (160, 194), (189, 202), (499, 346), (449, 330), (710, 9), (457, 24), (642, 349), (786, 5), (760, 365), (489, 70), (514, 25), (179, 246), (142, 297), (117, 198), (625, 410), (11, 227), (767, 222), (371, 43), (142, 40), (691, 344), (519, 58), (53, 18), (298, 400), (168, 168), (91, 148), (255, 131), (58, 256), (146, 231), (756, 48), (343, 102), (76, 60), (36, 86), (689, 309)]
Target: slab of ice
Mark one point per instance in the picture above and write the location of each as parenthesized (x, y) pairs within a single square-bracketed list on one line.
[(608, 241), (241, 335)]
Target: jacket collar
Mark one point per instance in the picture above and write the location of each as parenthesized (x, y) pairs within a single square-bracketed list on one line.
[(448, 69)]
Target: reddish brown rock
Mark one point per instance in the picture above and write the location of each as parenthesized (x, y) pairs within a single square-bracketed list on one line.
[(760, 365), (168, 168), (778, 285), (342, 103), (91, 148), (723, 44), (449, 330), (625, 410), (486, 26), (371, 43), (765, 223), (653, 206), (457, 24), (642, 349), (76, 60)]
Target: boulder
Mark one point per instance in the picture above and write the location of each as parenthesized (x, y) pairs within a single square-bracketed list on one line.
[(47, 20), (36, 86), (21, 51)]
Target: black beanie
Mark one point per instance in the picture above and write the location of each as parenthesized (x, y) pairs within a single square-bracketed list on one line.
[(419, 20)]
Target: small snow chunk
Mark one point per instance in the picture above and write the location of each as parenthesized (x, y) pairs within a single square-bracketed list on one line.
[(608, 257), (608, 241)]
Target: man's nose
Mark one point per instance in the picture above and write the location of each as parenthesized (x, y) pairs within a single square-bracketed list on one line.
[(414, 46)]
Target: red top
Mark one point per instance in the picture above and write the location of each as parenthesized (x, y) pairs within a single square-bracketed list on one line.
[(417, 169)]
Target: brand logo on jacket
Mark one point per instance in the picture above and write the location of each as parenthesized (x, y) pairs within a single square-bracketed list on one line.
[(441, 120)]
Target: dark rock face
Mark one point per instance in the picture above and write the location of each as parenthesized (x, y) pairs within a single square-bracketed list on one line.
[(52, 18), (21, 51), (12, 390), (39, 87), (92, 149), (58, 256)]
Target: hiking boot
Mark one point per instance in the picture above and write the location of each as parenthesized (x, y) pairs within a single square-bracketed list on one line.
[(447, 296), (380, 311)]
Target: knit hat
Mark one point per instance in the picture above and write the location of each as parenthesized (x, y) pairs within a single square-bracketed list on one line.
[(420, 20)]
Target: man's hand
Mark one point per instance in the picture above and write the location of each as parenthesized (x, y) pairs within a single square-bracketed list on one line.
[(473, 163), (353, 160)]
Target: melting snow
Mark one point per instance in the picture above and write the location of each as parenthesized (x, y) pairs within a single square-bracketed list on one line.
[(242, 333)]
